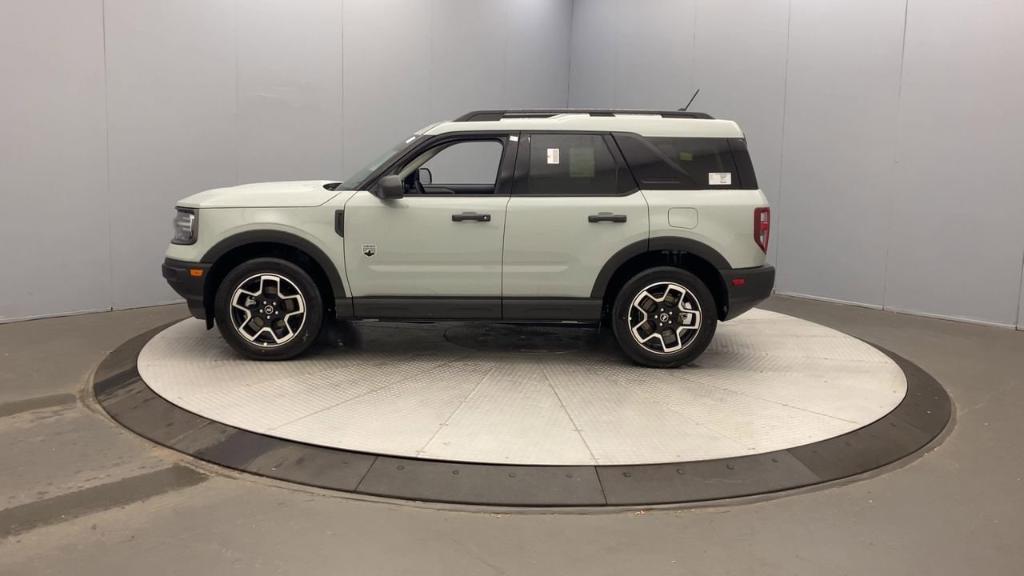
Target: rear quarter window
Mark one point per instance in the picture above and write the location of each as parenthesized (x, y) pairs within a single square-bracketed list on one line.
[(687, 163)]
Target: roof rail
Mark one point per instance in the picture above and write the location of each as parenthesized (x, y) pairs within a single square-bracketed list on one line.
[(489, 115)]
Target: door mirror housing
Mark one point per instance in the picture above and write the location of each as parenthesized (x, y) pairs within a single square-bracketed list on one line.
[(391, 187)]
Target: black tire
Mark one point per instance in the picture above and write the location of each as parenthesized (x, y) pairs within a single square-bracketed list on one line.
[(294, 290), (690, 343)]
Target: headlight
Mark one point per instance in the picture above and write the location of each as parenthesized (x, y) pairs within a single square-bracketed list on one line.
[(186, 225)]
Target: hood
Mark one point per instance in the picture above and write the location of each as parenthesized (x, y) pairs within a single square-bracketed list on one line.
[(263, 195)]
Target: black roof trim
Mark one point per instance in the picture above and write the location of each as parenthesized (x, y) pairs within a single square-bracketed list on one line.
[(490, 115)]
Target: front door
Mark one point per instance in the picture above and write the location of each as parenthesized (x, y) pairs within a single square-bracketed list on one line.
[(574, 205), (436, 252)]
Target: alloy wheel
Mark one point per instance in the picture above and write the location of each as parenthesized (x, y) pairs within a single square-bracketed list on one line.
[(664, 317), (267, 309)]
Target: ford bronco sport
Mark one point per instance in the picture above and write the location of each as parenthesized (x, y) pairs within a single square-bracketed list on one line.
[(650, 221)]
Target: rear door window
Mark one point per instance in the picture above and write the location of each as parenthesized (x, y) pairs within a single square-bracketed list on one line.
[(571, 164)]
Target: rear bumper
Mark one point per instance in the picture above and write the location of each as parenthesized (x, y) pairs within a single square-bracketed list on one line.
[(747, 287), (179, 274)]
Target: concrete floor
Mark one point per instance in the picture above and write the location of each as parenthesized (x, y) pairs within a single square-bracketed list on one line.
[(80, 495)]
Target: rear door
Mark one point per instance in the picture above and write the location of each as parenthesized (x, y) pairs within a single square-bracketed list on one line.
[(574, 204)]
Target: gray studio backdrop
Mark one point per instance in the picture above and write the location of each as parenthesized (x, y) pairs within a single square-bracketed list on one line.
[(885, 132), (113, 109)]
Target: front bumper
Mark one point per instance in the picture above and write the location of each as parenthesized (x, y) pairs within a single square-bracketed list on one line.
[(188, 279), (747, 287)]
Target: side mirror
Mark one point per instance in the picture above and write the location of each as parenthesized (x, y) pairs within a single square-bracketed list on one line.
[(391, 187), (426, 176)]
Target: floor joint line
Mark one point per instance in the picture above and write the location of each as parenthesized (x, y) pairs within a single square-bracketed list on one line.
[(456, 411), (575, 426)]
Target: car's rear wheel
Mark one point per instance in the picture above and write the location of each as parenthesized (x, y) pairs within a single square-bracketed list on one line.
[(664, 317), (269, 309)]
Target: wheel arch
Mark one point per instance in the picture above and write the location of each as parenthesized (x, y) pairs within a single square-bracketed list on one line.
[(234, 250), (698, 258)]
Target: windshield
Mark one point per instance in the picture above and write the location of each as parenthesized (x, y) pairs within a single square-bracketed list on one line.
[(355, 180)]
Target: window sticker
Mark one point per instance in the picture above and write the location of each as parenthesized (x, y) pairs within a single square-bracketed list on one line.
[(552, 155), (581, 162), (719, 178)]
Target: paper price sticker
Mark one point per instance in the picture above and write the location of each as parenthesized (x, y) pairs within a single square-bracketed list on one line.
[(719, 178)]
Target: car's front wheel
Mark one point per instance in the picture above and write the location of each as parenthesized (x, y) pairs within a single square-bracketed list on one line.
[(664, 317), (269, 309)]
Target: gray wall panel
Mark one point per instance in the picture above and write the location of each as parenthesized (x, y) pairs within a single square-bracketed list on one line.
[(958, 190), (467, 39), (442, 58), (386, 75), (895, 181), (635, 54), (838, 147), (54, 240), (171, 99), (593, 53), (654, 57), (289, 90), (881, 194), (537, 53), (207, 93), (742, 76)]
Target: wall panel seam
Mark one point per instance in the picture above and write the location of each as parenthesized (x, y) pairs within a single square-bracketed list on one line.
[(1020, 293), (696, 78), (568, 52), (893, 189), (237, 120), (504, 61), (616, 45), (106, 158), (343, 172), (782, 141)]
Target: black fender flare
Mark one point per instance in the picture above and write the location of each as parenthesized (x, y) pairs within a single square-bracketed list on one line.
[(278, 237), (656, 244)]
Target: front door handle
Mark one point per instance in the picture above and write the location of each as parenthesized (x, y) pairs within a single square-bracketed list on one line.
[(471, 217), (606, 217)]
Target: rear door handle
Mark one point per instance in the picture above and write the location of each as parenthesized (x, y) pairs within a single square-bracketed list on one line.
[(606, 217), (471, 217)]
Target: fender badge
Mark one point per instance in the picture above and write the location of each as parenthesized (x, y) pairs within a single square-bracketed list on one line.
[(369, 250)]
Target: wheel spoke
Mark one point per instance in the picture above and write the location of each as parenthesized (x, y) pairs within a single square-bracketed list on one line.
[(252, 337), (647, 302), (689, 320), (295, 301), (273, 334), (650, 336), (265, 290), (670, 341), (675, 294)]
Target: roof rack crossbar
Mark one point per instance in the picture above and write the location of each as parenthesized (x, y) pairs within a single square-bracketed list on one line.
[(490, 115)]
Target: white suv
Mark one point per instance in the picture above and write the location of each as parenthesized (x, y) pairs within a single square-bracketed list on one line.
[(651, 221)]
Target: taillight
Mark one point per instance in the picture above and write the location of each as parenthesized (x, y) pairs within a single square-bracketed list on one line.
[(762, 226)]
